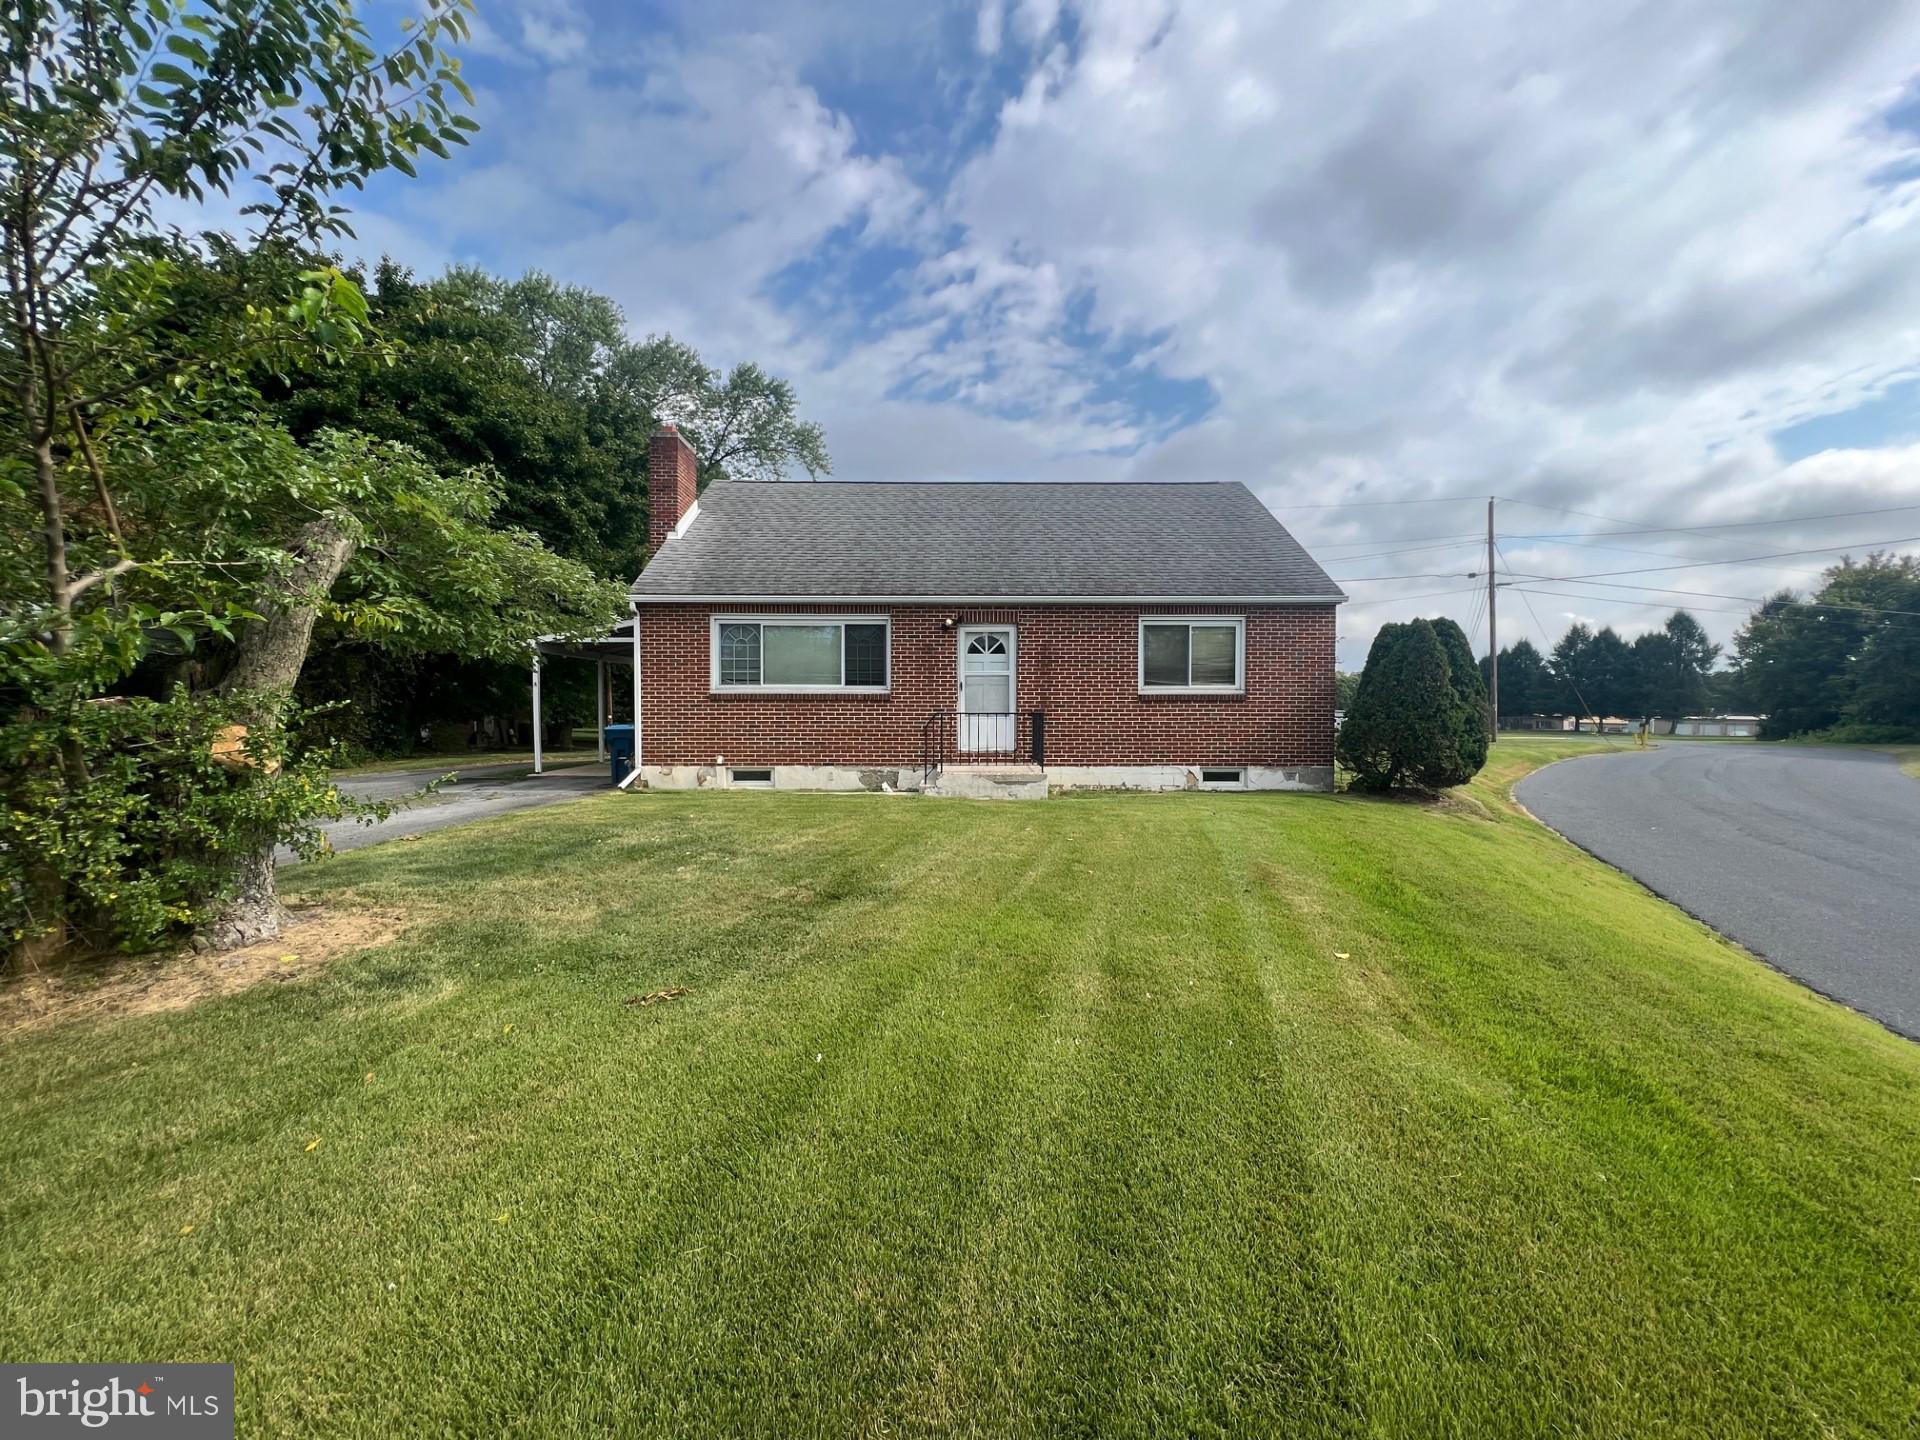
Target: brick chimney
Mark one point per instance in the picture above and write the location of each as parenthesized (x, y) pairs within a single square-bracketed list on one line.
[(673, 481)]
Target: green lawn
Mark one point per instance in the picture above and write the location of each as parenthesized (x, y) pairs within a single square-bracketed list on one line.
[(1108, 1115)]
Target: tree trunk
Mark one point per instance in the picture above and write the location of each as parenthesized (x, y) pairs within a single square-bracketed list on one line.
[(270, 654)]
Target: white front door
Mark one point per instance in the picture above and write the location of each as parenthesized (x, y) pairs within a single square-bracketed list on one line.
[(986, 718)]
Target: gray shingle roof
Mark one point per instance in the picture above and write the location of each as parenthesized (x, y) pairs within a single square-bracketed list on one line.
[(966, 541)]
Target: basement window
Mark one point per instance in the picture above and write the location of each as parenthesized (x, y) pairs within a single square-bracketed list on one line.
[(801, 654), (1225, 779), (751, 777)]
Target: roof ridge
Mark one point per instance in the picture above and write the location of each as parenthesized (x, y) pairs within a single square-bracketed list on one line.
[(1009, 484)]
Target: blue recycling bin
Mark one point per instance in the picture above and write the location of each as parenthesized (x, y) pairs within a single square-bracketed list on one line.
[(620, 751)]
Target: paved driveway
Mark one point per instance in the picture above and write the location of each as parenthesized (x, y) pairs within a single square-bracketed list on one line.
[(478, 793), (1807, 855)]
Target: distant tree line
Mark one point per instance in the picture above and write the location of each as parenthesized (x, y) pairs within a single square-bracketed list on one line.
[(1667, 672), (1843, 662)]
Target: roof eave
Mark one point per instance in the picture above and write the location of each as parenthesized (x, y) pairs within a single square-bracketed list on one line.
[(644, 597)]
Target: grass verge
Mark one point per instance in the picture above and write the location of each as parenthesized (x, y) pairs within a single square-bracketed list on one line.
[(1117, 1115)]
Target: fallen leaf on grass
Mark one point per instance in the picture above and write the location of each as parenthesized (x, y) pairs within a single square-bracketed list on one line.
[(1341, 955), (313, 1144), (658, 996), (186, 1229), (289, 959), (506, 1029), (501, 1218)]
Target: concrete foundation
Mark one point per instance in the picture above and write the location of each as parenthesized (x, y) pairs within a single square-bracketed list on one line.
[(784, 777), (995, 782), (1187, 777), (990, 782)]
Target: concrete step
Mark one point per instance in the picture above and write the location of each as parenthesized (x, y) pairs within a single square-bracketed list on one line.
[(990, 782)]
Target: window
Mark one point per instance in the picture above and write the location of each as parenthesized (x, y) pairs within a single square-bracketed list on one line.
[(1201, 655), (802, 653), (1235, 778), (751, 777)]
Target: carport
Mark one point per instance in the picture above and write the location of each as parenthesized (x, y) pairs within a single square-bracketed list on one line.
[(620, 646)]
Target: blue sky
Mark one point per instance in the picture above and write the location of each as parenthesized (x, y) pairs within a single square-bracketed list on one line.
[(1649, 262)]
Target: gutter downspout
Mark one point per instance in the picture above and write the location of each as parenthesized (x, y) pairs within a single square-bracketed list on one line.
[(634, 605)]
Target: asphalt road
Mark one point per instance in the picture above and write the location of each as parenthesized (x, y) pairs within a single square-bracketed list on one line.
[(479, 793), (1807, 855)]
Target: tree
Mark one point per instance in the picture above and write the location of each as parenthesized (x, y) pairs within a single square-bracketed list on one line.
[(538, 383), (1526, 685), (1573, 671), (167, 510), (1610, 682), (114, 103), (1652, 662), (1670, 669), (1407, 721), (1346, 684), (1841, 662)]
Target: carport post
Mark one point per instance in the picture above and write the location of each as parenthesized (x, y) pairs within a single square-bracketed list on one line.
[(636, 688), (600, 709), (536, 711)]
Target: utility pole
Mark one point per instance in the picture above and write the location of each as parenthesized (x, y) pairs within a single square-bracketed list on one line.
[(1493, 639)]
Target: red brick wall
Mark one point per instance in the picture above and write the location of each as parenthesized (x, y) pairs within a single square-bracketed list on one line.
[(1079, 663), (673, 482)]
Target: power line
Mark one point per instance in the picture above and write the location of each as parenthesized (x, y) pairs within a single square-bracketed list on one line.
[(1410, 550), (1366, 504), (1425, 595), (1743, 560), (1547, 641), (1410, 575), (1718, 595), (1476, 615), (1565, 510), (1623, 600), (1398, 540), (1656, 554), (1651, 569), (1637, 528)]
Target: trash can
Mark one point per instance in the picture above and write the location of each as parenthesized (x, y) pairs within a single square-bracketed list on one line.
[(620, 751)]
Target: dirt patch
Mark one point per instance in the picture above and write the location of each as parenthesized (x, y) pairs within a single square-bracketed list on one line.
[(112, 987)]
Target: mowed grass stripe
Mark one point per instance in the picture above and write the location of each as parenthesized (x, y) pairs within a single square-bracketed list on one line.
[(1103, 1139)]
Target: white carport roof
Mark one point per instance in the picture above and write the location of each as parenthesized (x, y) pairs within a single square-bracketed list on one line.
[(616, 644)]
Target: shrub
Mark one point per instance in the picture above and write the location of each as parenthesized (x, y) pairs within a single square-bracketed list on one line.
[(1418, 717), (148, 842), (1467, 712)]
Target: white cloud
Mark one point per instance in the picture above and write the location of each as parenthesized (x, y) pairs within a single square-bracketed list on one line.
[(1564, 252), (986, 30), (1576, 254)]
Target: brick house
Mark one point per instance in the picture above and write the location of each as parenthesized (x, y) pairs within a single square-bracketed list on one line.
[(963, 636)]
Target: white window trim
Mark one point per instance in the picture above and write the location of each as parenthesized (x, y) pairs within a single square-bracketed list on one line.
[(1239, 623), (716, 620)]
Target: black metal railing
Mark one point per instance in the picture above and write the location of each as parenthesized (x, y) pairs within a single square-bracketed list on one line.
[(1008, 737)]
